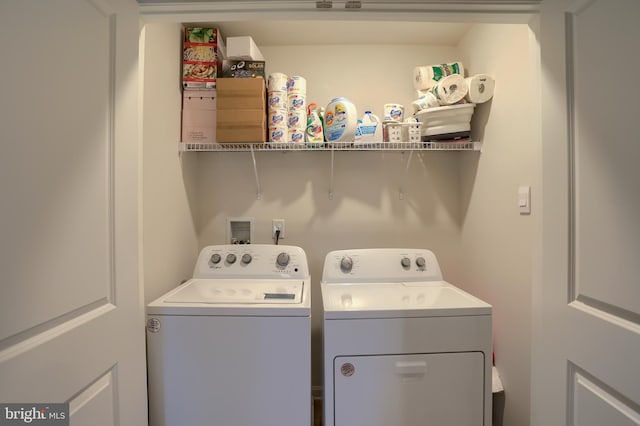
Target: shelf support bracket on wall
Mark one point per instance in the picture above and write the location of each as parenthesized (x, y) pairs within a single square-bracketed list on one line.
[(405, 177), (255, 173), (331, 177)]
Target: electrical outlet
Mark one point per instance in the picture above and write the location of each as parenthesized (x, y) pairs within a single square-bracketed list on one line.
[(277, 224)]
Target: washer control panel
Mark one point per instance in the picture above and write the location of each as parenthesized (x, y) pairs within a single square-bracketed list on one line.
[(381, 265), (251, 261)]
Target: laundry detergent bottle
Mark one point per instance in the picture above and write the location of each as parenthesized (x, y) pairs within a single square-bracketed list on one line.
[(340, 121), (314, 132)]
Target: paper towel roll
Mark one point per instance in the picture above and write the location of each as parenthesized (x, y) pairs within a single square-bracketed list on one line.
[(277, 82), (450, 89), (278, 101), (426, 76), (479, 88), (297, 84), (297, 101)]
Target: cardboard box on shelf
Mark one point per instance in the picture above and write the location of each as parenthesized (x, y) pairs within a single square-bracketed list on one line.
[(199, 116), (199, 100), (198, 126), (241, 93), (232, 68), (202, 56), (243, 47), (241, 125)]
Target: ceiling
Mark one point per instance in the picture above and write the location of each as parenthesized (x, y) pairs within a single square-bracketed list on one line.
[(282, 33)]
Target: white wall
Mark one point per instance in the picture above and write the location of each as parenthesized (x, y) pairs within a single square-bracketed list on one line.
[(169, 233), (496, 240)]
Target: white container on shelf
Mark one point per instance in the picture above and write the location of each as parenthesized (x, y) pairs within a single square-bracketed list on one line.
[(340, 121), (452, 119)]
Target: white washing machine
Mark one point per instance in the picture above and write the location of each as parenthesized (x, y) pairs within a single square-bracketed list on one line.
[(401, 346), (232, 346)]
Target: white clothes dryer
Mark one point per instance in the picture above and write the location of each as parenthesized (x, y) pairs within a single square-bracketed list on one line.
[(232, 346), (401, 346)]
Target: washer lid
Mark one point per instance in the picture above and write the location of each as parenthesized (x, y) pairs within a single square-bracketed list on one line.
[(238, 291), (235, 297), (399, 300)]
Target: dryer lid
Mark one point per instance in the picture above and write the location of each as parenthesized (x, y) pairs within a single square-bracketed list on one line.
[(399, 300)]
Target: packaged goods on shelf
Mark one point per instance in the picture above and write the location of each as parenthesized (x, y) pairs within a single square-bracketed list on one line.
[(243, 47), (202, 55), (199, 116), (241, 113), (233, 68)]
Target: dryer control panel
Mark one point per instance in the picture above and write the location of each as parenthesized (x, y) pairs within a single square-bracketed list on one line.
[(251, 261), (381, 265)]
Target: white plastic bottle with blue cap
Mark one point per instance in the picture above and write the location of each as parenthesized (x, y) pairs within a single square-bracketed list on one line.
[(370, 128)]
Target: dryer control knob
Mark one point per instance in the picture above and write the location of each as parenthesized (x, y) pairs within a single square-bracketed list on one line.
[(283, 259), (246, 258), (421, 262), (346, 264), (405, 262), (215, 258), (231, 258)]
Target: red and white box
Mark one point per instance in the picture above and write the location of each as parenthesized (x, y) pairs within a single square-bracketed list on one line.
[(202, 55)]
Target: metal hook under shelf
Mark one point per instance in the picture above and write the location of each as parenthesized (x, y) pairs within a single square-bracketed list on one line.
[(255, 173), (406, 176), (331, 177)]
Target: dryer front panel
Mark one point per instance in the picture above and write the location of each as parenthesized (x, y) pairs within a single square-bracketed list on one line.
[(439, 389)]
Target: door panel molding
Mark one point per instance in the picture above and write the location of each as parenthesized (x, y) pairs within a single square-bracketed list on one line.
[(95, 404), (589, 397), (600, 234), (38, 335)]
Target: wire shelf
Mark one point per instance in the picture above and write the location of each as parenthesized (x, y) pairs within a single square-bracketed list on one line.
[(455, 145)]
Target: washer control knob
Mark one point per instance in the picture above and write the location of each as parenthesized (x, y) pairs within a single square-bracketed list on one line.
[(346, 264), (282, 260), (246, 258), (421, 262), (405, 262), (215, 258), (231, 258)]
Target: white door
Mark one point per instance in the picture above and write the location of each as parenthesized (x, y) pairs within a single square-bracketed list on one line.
[(71, 310), (586, 357)]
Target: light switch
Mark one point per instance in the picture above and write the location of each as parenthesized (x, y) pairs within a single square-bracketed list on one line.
[(524, 199)]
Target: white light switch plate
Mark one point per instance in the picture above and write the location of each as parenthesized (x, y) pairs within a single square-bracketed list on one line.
[(524, 199)]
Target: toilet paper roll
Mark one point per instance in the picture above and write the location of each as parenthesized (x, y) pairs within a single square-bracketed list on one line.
[(277, 82), (278, 100), (427, 76), (295, 135), (297, 84), (297, 120), (278, 134), (297, 101), (450, 89), (393, 112), (277, 118), (479, 88), (425, 101)]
